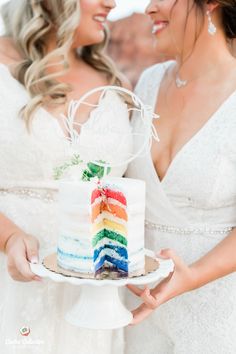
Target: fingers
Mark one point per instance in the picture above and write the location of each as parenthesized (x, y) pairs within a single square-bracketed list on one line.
[(149, 300), (140, 314), (167, 253), (17, 276), (24, 270), (163, 292), (170, 254), (135, 290), (19, 269), (18, 266), (145, 295), (32, 247)]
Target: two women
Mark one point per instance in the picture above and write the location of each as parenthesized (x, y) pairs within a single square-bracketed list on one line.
[(190, 177)]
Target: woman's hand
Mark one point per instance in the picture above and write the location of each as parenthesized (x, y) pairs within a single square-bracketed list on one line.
[(180, 281), (20, 249), (217, 263)]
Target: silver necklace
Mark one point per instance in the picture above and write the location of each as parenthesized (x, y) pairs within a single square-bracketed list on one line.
[(180, 83)]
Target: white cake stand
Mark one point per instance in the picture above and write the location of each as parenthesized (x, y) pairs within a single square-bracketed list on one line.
[(99, 305)]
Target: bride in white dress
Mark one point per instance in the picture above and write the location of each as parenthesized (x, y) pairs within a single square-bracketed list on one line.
[(33, 144), (191, 182)]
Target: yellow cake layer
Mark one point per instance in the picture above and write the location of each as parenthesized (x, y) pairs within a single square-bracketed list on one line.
[(110, 225)]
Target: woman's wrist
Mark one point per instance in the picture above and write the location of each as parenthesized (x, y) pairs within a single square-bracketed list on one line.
[(7, 238), (11, 239), (197, 276), (190, 279), (7, 230)]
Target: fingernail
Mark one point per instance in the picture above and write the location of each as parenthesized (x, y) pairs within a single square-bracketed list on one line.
[(160, 255), (34, 260), (38, 278)]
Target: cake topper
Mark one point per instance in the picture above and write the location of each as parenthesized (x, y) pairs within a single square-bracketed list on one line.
[(94, 156)]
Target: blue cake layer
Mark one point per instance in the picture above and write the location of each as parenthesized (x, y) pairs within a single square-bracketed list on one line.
[(121, 251), (120, 264), (70, 255)]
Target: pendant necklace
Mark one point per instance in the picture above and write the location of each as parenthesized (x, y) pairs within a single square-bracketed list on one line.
[(180, 83)]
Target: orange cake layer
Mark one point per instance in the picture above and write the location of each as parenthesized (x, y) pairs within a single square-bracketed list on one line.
[(113, 209)]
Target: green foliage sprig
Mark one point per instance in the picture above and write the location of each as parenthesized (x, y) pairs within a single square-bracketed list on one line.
[(59, 171), (93, 170)]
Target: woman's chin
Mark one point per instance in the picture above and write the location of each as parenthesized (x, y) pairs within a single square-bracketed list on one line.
[(163, 49), (97, 38)]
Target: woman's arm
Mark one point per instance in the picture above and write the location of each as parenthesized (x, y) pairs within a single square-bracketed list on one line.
[(218, 263), (19, 248), (7, 229)]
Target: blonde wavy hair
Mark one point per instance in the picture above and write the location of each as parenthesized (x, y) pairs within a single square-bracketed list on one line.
[(29, 24)]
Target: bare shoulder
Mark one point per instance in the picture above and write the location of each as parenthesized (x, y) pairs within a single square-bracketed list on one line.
[(8, 52)]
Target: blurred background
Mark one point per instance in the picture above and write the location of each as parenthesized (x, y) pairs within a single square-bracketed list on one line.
[(131, 45)]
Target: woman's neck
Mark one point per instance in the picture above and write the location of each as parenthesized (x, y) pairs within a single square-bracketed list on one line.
[(8, 50), (73, 58), (208, 56)]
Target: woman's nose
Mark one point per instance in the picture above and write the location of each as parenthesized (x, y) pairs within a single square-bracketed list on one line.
[(111, 4), (151, 8)]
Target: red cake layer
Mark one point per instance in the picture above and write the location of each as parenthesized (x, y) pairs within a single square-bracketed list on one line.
[(109, 193)]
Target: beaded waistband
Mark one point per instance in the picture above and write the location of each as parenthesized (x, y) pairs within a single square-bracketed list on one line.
[(188, 230), (46, 195)]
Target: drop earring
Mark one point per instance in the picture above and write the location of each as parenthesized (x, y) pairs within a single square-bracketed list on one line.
[(211, 27)]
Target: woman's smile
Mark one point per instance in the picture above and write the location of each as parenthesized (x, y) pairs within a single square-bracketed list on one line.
[(159, 26), (100, 19)]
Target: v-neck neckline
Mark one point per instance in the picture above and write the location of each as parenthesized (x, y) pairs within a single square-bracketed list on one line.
[(55, 120), (179, 153), (41, 108)]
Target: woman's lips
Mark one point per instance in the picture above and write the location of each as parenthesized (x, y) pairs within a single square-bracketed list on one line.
[(159, 26), (100, 19)]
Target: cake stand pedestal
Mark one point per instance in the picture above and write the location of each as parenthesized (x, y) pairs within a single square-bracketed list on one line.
[(99, 308), (99, 305)]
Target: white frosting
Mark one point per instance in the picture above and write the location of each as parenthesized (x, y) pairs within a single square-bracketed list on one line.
[(75, 237)]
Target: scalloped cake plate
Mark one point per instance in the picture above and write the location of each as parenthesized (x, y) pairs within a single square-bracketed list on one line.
[(102, 309), (156, 270)]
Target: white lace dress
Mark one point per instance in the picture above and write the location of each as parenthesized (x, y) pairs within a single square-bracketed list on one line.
[(190, 211), (26, 165)]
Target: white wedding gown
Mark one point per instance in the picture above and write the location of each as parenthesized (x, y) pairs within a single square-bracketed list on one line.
[(191, 210), (27, 192)]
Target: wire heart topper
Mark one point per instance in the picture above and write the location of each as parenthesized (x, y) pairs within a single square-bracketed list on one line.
[(131, 104)]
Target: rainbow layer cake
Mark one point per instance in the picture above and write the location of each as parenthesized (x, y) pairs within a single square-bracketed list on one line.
[(102, 227)]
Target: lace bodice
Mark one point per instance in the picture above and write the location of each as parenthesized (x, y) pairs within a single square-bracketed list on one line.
[(187, 212), (200, 184), (28, 159)]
